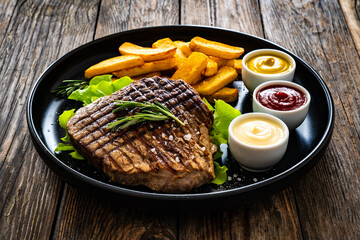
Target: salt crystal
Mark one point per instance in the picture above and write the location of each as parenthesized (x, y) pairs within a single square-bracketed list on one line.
[(198, 132), (229, 178), (203, 148), (171, 137), (177, 159), (187, 137), (163, 135), (255, 179), (153, 150)]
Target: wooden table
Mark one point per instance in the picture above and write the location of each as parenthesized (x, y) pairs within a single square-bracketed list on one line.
[(36, 204)]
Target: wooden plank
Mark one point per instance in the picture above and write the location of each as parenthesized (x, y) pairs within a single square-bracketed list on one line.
[(29, 190), (274, 217), (106, 220), (83, 217), (351, 10), (116, 16), (328, 198)]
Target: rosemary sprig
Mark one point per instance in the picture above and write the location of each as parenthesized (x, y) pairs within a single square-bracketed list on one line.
[(147, 112), (71, 86)]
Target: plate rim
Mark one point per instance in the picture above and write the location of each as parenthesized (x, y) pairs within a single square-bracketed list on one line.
[(45, 152)]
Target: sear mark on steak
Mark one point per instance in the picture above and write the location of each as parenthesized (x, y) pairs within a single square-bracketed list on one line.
[(163, 156)]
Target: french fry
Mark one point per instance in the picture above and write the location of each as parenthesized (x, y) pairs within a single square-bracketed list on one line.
[(113, 64), (190, 71), (211, 68), (147, 67), (223, 77), (226, 94), (220, 61), (152, 74), (217, 49), (148, 54), (238, 65), (184, 47), (167, 42), (163, 43)]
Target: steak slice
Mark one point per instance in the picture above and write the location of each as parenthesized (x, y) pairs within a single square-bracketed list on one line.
[(164, 155)]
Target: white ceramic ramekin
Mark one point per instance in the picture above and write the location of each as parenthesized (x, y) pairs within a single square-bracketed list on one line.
[(252, 79), (292, 118), (257, 158)]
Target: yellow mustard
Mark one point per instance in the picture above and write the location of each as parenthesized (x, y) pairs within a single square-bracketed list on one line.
[(268, 64), (258, 132)]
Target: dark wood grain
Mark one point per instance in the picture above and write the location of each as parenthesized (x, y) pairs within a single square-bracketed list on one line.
[(36, 34), (83, 217), (351, 9), (328, 199)]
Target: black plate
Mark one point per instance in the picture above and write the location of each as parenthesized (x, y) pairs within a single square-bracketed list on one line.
[(306, 143)]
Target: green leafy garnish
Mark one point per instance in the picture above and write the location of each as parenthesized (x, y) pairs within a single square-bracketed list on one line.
[(220, 174), (71, 86), (66, 145), (147, 112), (99, 86), (223, 115)]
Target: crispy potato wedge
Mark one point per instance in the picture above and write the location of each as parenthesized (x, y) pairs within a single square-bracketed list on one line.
[(152, 74), (190, 71), (167, 42), (211, 68), (226, 94), (163, 43), (113, 64), (147, 67), (238, 65), (217, 49), (223, 77), (220, 61), (184, 47), (147, 54)]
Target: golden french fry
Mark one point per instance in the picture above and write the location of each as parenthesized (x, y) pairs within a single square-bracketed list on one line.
[(220, 61), (147, 67), (152, 74), (163, 43), (211, 68), (184, 47), (226, 94), (167, 42), (217, 49), (148, 54), (223, 77), (238, 65), (113, 64), (191, 69)]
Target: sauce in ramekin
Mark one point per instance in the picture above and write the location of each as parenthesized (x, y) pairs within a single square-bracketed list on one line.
[(268, 64), (281, 98), (258, 131)]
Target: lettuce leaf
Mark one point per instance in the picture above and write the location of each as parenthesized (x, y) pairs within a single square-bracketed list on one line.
[(220, 174), (67, 145), (224, 113), (99, 86)]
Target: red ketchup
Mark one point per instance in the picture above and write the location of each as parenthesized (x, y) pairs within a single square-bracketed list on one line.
[(281, 98)]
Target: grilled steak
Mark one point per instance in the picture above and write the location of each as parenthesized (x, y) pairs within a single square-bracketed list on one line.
[(163, 156)]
